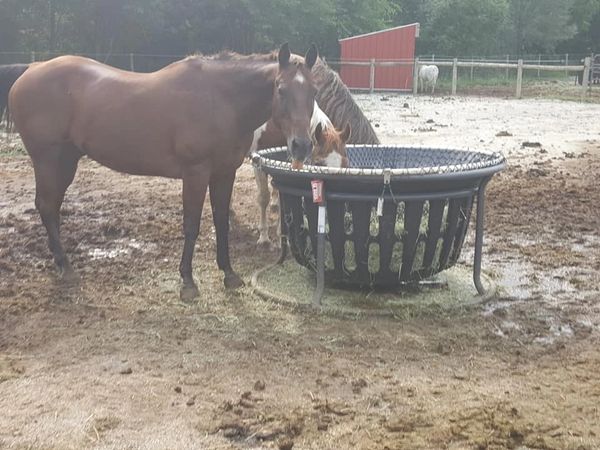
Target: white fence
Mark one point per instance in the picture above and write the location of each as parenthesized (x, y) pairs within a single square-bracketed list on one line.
[(147, 62), (455, 63)]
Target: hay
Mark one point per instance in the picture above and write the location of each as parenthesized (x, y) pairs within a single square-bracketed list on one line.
[(293, 285)]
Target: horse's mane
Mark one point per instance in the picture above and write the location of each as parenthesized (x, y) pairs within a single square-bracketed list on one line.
[(233, 57), (8, 75), (336, 101)]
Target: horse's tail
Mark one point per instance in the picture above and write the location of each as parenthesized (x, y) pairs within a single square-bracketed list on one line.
[(336, 101), (8, 75)]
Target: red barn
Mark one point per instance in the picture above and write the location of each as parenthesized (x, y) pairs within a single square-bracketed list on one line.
[(392, 44)]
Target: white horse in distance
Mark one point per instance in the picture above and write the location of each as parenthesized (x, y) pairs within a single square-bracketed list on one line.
[(428, 76)]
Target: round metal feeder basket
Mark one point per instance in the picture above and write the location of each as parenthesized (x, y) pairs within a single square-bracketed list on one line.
[(396, 216)]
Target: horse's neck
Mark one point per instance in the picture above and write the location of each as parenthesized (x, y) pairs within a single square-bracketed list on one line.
[(340, 107), (253, 92)]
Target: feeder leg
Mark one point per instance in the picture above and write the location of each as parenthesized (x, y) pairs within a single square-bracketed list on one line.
[(283, 232), (479, 237), (318, 295)]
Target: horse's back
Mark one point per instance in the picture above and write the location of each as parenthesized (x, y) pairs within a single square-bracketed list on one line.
[(429, 73), (44, 99), (80, 102)]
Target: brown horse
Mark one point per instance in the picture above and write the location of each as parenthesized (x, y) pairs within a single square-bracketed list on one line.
[(192, 120)]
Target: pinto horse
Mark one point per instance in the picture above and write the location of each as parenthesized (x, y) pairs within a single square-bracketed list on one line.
[(193, 120), (329, 149)]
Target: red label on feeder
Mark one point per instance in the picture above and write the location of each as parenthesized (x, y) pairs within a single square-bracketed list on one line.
[(317, 190)]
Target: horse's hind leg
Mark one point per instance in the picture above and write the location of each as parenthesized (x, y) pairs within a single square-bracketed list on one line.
[(54, 171), (221, 187), (274, 200)]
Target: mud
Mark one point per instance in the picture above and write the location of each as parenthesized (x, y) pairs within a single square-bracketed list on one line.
[(119, 362)]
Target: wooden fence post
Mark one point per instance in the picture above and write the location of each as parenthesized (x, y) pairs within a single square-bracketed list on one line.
[(372, 77), (131, 65), (519, 77), (416, 76), (472, 67), (586, 73), (454, 75)]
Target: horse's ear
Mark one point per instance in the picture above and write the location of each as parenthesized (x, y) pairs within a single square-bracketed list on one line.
[(311, 56), (319, 133), (284, 55), (346, 133)]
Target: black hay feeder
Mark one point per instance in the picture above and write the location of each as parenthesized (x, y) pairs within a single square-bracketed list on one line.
[(396, 217)]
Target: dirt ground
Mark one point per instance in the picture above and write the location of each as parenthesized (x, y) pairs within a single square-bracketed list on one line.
[(119, 362)]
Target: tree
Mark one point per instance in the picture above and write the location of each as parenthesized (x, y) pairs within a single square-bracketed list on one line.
[(536, 26), (466, 27), (585, 16)]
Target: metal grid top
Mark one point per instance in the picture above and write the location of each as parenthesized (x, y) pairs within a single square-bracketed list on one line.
[(374, 160)]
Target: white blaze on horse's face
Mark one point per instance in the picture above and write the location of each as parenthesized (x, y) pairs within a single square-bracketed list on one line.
[(293, 103)]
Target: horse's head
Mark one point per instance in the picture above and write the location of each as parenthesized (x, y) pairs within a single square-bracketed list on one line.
[(293, 102), (330, 148)]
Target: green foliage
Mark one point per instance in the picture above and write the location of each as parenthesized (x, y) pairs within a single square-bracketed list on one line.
[(467, 27), (451, 27), (536, 26)]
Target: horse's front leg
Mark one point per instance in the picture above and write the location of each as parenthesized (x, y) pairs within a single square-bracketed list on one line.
[(221, 187), (195, 182)]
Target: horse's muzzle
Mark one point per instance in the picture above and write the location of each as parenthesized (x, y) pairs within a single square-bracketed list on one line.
[(300, 149)]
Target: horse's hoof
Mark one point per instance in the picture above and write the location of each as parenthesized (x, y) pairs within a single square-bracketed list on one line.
[(69, 276), (189, 293), (232, 281)]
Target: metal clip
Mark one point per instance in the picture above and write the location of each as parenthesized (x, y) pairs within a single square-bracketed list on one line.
[(387, 176)]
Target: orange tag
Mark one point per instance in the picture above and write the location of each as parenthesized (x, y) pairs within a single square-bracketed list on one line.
[(317, 190)]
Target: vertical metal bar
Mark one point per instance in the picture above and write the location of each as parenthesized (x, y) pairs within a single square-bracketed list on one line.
[(539, 63), (32, 57), (507, 62), (519, 78), (283, 231), (372, 77), (479, 228), (454, 75), (131, 65), (318, 295)]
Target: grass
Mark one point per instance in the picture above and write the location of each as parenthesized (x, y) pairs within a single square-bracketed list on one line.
[(294, 286), (550, 85)]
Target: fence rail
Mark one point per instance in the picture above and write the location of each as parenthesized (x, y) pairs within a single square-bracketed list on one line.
[(555, 63), (519, 66)]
